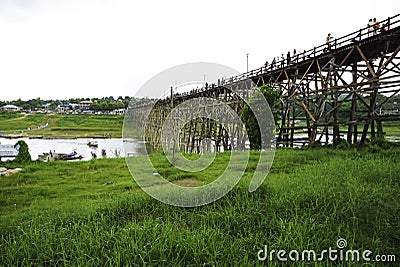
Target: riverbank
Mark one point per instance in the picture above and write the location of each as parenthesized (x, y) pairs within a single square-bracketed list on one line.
[(71, 126), (64, 126), (93, 213)]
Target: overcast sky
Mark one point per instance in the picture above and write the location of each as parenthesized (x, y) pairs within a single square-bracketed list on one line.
[(58, 49)]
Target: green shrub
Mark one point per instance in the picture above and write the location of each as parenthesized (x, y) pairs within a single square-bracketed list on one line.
[(23, 152)]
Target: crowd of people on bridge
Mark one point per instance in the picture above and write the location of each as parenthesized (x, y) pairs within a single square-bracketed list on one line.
[(282, 61), (204, 88), (374, 26)]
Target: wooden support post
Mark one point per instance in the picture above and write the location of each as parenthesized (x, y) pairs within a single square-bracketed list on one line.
[(379, 128), (369, 116), (292, 128), (373, 129), (336, 132), (352, 128)]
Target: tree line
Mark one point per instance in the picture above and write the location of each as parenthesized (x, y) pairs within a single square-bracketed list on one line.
[(104, 103)]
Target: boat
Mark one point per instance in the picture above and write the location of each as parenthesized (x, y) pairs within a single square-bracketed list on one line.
[(70, 156), (8, 151), (59, 156), (93, 144)]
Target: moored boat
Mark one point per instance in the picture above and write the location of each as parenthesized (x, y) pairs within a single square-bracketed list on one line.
[(59, 156), (93, 144)]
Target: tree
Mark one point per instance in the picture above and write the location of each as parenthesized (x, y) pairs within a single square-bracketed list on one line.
[(257, 104), (23, 152)]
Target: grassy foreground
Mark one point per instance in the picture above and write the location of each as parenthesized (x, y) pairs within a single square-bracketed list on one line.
[(71, 214)]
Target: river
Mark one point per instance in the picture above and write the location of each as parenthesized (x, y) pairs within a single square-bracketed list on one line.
[(114, 146)]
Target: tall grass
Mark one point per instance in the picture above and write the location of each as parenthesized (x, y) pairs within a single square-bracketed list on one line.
[(309, 200)]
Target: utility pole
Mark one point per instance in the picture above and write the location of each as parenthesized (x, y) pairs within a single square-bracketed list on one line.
[(173, 124), (247, 55)]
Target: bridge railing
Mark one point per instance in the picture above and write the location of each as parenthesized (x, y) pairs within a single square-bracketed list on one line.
[(336, 43)]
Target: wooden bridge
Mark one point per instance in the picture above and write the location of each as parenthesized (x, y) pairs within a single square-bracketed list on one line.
[(332, 93)]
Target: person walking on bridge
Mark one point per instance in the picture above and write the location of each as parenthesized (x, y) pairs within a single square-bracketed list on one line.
[(376, 26), (384, 28), (273, 63), (370, 26), (288, 58), (266, 65), (329, 39)]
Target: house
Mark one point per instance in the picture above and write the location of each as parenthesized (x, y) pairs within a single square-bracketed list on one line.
[(46, 106), (120, 111), (85, 105), (64, 108), (11, 108)]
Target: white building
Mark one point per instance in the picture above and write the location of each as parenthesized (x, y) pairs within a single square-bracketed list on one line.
[(11, 108), (84, 105), (120, 111)]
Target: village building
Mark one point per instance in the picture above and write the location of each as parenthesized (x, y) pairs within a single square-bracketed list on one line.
[(11, 108), (85, 105)]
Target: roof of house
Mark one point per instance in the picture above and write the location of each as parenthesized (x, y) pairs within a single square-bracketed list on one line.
[(10, 106)]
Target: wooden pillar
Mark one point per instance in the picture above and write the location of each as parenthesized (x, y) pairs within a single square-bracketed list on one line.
[(336, 132), (379, 128), (352, 128), (292, 129), (373, 129), (369, 116)]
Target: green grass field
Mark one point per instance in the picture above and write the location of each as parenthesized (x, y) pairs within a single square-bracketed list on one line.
[(392, 128), (14, 122), (62, 213), (62, 125)]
